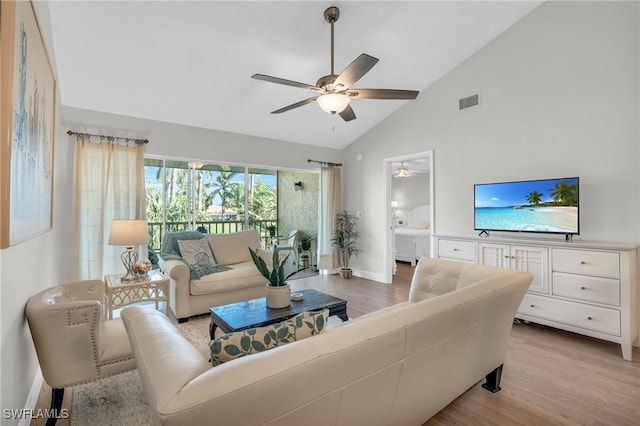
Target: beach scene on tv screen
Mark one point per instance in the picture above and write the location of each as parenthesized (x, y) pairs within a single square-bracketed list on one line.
[(533, 206)]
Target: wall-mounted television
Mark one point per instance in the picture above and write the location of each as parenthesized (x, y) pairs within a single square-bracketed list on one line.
[(548, 206)]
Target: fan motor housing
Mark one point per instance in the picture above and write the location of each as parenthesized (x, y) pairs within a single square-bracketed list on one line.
[(332, 14), (326, 82)]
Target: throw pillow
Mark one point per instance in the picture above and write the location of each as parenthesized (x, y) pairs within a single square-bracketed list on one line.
[(253, 340), (196, 253)]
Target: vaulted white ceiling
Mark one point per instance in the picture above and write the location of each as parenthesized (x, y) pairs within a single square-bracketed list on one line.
[(190, 62)]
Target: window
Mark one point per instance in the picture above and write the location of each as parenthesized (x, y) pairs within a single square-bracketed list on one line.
[(211, 198)]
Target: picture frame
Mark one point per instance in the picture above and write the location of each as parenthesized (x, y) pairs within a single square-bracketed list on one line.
[(27, 126)]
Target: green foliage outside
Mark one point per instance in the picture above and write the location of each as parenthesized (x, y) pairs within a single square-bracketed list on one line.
[(223, 187)]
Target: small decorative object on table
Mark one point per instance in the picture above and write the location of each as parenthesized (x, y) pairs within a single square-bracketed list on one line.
[(278, 292), (141, 268), (297, 297)]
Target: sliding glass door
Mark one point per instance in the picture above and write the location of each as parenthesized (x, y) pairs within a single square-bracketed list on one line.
[(210, 198)]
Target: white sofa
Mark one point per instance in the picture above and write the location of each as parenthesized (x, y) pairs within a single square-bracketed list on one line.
[(400, 365), (242, 282)]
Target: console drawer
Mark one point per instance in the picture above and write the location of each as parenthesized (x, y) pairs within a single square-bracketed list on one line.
[(591, 289), (459, 250), (580, 315), (585, 262)]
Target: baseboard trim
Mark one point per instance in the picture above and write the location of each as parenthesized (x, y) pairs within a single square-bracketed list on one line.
[(32, 398), (370, 276)]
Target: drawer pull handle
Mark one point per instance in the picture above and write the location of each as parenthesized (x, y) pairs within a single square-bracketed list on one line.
[(532, 305), (589, 318), (582, 262), (583, 288), (455, 249)]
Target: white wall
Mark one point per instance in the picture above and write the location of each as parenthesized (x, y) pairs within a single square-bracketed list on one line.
[(559, 97), (26, 268)]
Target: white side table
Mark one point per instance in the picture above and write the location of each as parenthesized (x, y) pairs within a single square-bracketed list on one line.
[(153, 287)]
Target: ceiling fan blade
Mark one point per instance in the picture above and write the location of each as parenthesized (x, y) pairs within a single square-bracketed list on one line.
[(278, 80), (293, 106), (383, 94), (356, 69), (347, 114)]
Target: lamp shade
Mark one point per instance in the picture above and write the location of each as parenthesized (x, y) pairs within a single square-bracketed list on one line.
[(333, 102), (128, 232), (394, 204)]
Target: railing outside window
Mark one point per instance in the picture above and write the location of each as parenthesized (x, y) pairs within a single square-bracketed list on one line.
[(156, 231)]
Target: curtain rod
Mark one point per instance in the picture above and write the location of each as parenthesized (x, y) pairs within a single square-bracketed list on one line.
[(108, 138), (324, 163)]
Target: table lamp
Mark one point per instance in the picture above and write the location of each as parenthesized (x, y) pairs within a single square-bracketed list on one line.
[(128, 233)]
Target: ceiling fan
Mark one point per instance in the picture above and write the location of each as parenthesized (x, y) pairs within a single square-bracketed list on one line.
[(335, 91)]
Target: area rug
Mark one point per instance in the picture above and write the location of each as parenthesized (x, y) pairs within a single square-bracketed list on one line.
[(120, 400)]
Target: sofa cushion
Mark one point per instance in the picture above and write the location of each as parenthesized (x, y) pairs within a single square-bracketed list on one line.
[(196, 252), (231, 346), (169, 248), (230, 249), (239, 276)]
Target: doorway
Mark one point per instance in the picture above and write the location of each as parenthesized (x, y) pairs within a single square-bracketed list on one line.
[(408, 195)]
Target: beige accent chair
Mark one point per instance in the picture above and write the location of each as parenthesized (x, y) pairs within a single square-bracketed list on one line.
[(74, 342)]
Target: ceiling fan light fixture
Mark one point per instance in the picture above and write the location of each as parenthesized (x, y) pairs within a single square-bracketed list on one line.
[(402, 172), (333, 102)]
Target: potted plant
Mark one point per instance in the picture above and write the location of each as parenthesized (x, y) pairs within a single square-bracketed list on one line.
[(304, 250), (345, 239), (278, 292), (304, 240)]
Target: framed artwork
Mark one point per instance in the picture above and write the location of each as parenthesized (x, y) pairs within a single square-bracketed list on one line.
[(27, 126)]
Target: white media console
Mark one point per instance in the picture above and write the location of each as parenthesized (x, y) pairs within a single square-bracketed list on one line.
[(585, 287)]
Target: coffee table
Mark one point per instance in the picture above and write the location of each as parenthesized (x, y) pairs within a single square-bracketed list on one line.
[(254, 313)]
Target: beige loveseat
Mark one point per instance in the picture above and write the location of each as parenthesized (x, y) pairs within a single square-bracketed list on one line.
[(242, 282), (400, 365)]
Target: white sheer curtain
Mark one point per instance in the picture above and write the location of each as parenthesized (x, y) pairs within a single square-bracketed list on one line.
[(108, 183), (330, 204)]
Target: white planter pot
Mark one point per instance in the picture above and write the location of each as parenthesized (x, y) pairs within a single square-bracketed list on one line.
[(278, 297)]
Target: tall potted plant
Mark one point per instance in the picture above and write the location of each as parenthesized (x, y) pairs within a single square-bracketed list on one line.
[(278, 292), (345, 238)]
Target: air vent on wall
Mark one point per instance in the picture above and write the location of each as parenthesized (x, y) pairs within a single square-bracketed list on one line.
[(469, 101)]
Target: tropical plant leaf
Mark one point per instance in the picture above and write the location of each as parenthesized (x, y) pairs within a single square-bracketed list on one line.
[(274, 262), (281, 274), (260, 263), (273, 279)]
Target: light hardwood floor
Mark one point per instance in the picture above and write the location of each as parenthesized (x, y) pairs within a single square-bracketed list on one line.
[(550, 377)]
